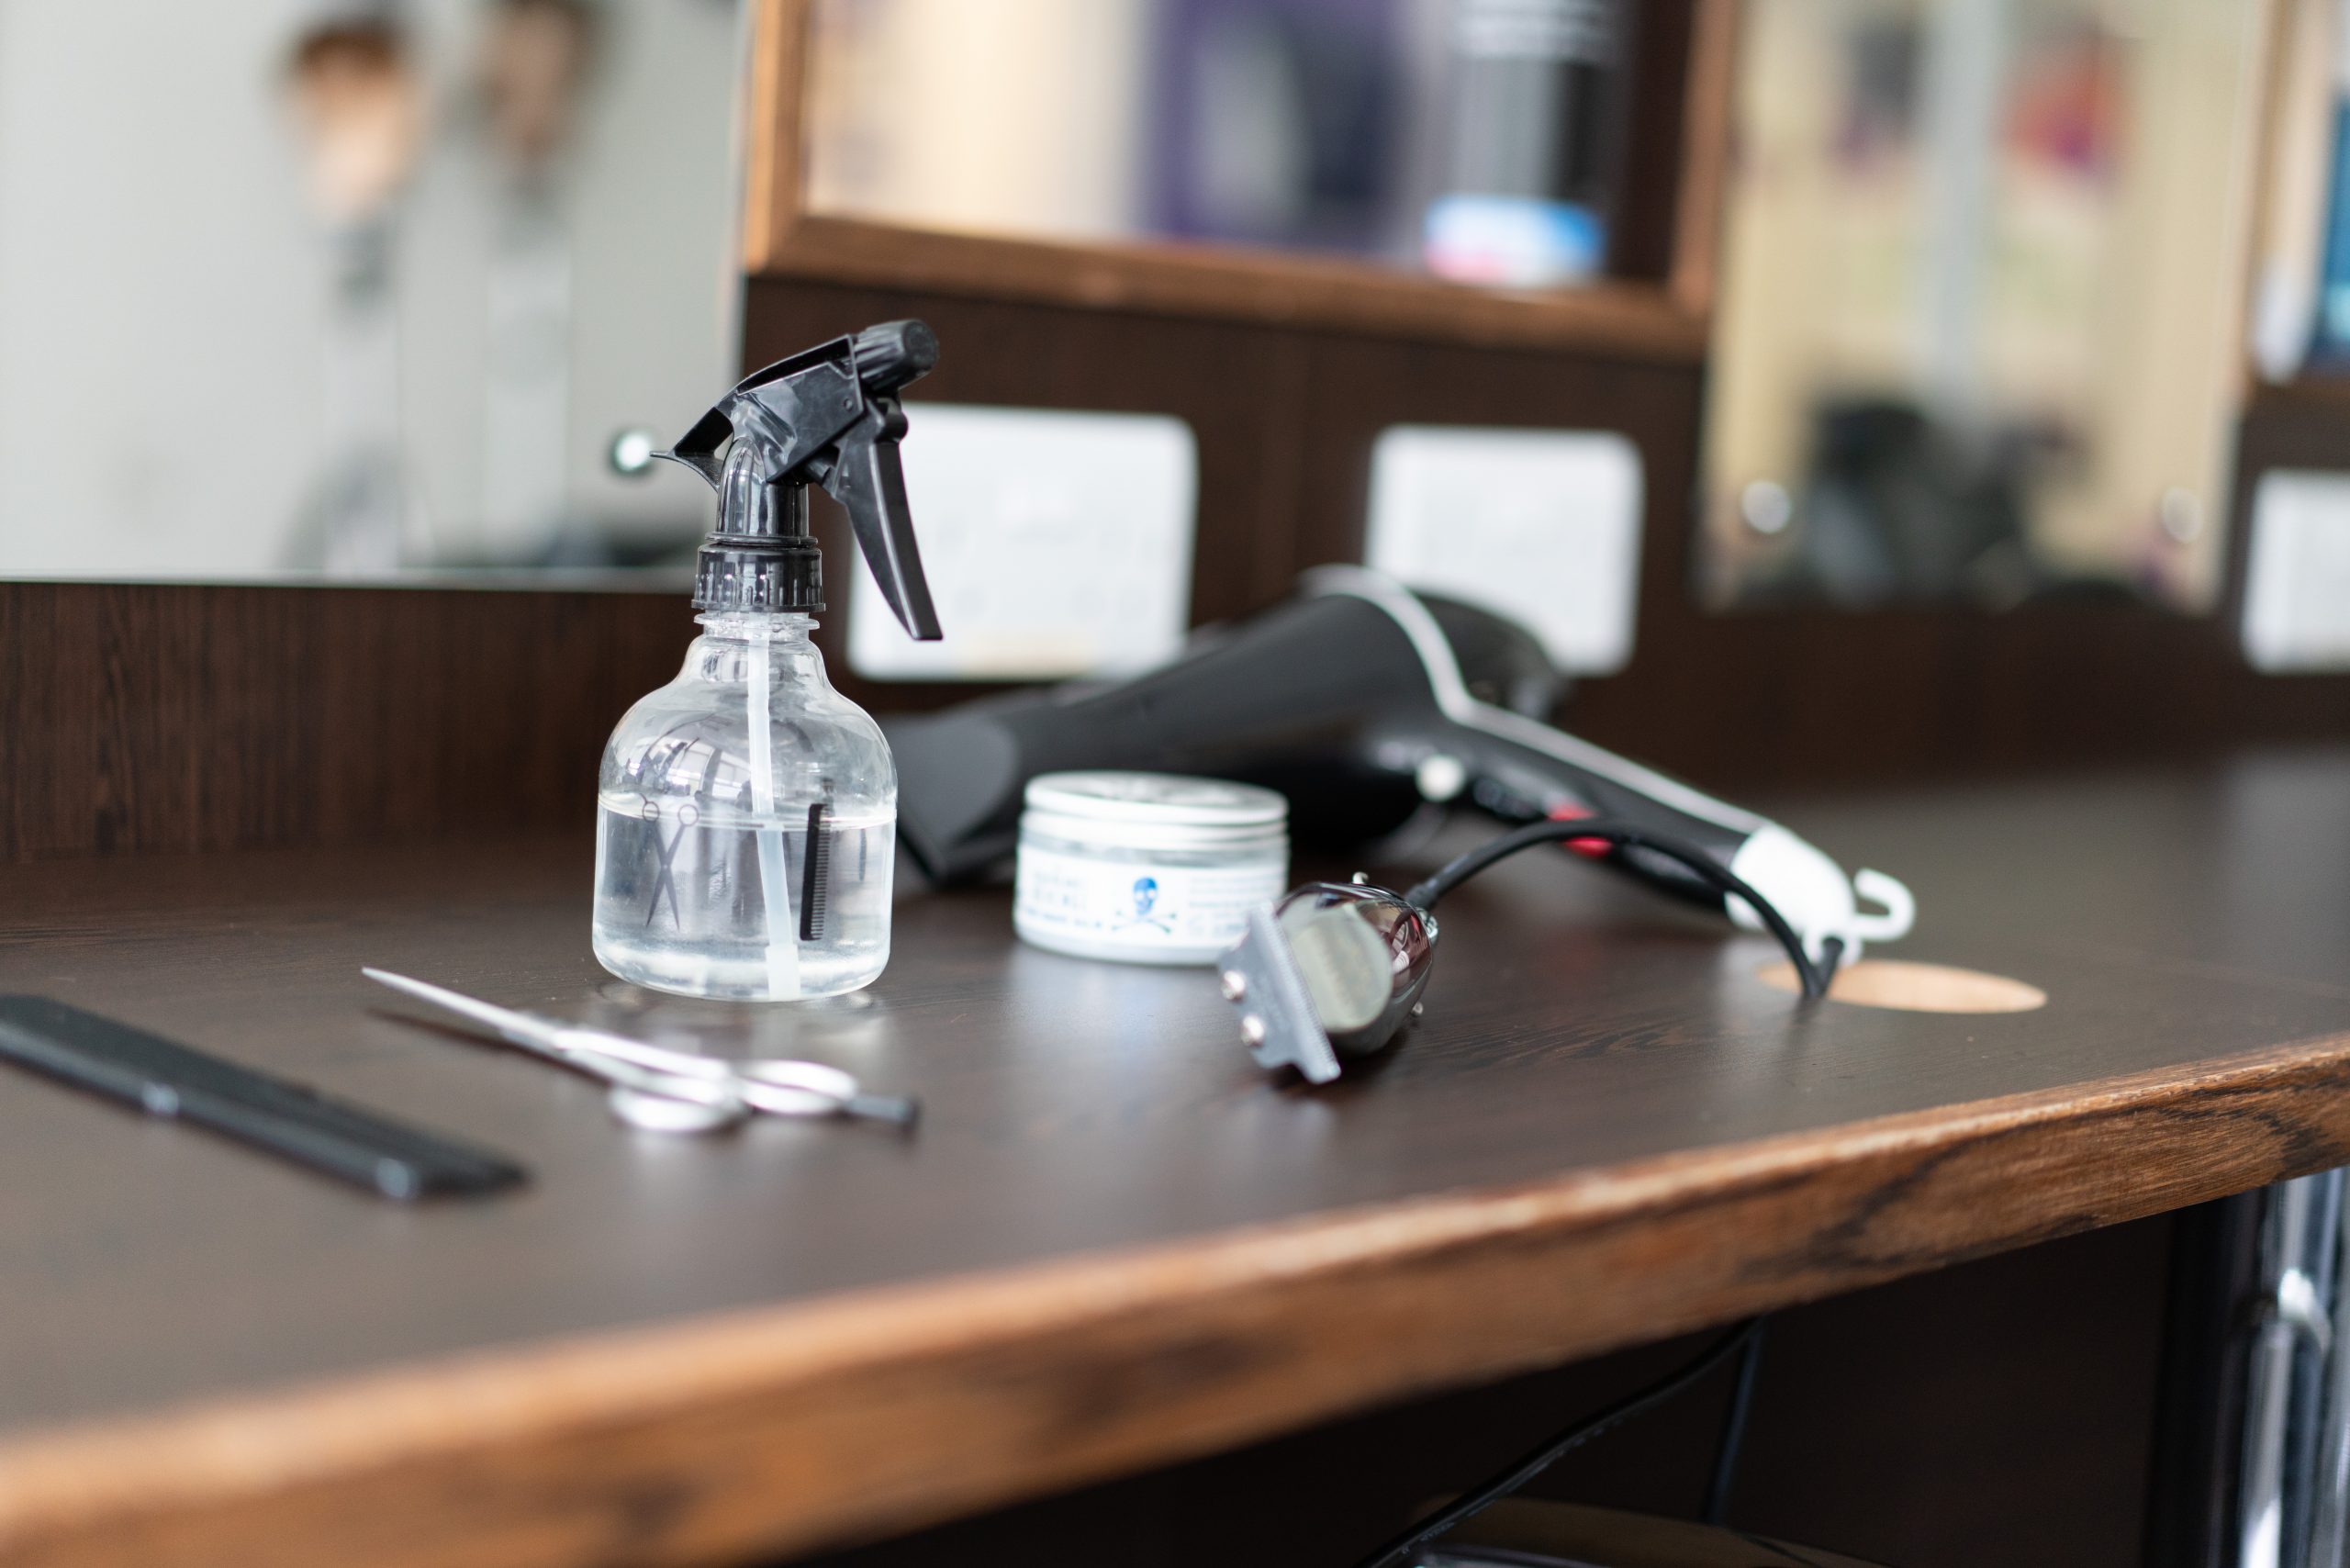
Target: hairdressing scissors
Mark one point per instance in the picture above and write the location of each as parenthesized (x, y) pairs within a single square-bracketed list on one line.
[(671, 1090)]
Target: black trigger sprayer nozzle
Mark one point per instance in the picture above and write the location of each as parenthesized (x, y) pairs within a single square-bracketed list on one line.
[(827, 416), (894, 353)]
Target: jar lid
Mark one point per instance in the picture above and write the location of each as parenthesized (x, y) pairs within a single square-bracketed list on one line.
[(1157, 800)]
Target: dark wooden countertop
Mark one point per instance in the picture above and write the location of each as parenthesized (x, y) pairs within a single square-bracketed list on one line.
[(1114, 1244)]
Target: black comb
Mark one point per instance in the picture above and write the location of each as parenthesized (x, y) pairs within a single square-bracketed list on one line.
[(816, 875), (291, 1120)]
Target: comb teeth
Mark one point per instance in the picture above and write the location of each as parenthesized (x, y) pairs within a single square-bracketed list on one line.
[(816, 875)]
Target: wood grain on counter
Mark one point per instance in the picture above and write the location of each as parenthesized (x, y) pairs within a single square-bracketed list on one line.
[(1114, 1243)]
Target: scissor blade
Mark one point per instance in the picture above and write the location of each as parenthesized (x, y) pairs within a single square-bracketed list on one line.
[(520, 1028)]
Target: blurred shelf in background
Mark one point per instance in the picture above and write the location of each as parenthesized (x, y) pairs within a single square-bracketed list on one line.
[(1652, 298)]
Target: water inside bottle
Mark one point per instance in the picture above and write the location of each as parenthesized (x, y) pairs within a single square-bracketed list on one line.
[(680, 905)]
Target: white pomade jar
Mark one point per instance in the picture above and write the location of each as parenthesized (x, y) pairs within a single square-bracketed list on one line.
[(1145, 868)]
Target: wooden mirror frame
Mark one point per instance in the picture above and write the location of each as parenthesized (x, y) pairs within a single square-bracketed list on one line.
[(1666, 318)]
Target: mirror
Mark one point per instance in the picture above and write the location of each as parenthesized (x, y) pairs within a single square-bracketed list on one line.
[(1477, 141), (360, 289), (1980, 325)]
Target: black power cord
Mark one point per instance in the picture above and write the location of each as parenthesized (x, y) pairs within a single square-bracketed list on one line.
[(1402, 1551), (1733, 1439), (1610, 830)]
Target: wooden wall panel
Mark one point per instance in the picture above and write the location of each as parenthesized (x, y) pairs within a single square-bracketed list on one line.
[(144, 717)]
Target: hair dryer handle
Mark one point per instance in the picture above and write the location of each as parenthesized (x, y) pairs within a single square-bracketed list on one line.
[(867, 479), (1522, 772)]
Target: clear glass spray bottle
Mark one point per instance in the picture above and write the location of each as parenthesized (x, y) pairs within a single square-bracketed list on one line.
[(748, 810)]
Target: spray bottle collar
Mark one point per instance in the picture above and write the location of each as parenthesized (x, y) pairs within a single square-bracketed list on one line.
[(778, 578)]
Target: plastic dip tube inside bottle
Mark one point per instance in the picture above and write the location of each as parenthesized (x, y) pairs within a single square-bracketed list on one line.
[(774, 876)]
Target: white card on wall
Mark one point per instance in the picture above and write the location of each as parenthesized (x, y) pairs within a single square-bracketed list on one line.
[(1057, 543), (2297, 573), (1541, 525)]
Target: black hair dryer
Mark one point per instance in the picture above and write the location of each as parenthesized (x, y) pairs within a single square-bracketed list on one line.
[(1361, 700)]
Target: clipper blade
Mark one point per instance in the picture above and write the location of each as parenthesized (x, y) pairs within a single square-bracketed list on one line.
[(1262, 979)]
